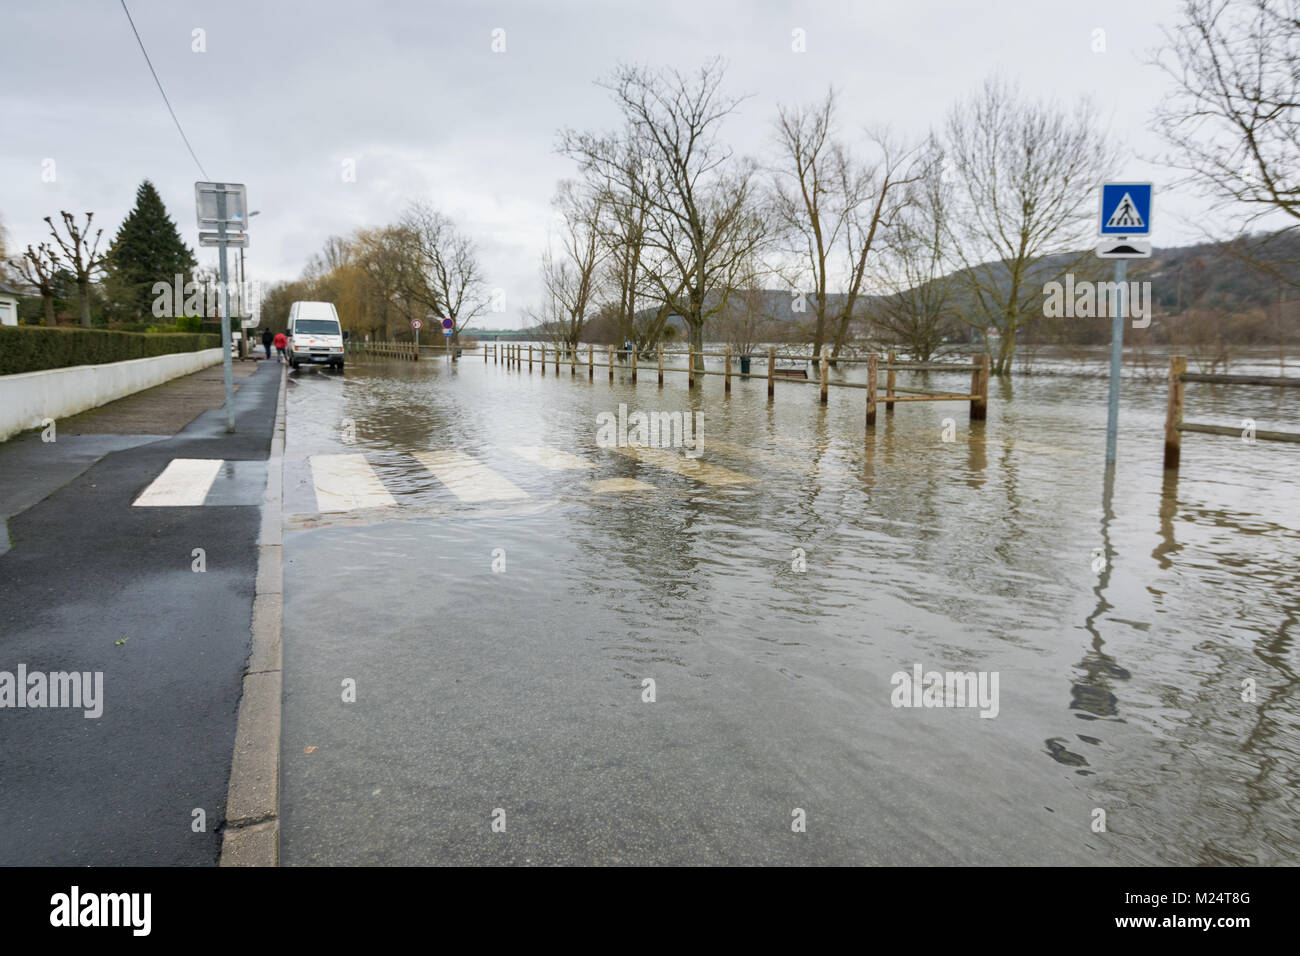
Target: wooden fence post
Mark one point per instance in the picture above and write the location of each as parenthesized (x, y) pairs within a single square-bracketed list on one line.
[(611, 365), (690, 364), (661, 365), (726, 377), (557, 360), (771, 371), (979, 387), (1174, 412), (634, 365), (889, 384), (591, 362), (871, 391), (825, 367)]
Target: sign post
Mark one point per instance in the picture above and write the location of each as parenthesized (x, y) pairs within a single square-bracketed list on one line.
[(1125, 212), (448, 329), (416, 324), (223, 205)]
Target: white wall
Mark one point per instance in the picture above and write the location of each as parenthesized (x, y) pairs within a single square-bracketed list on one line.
[(29, 397)]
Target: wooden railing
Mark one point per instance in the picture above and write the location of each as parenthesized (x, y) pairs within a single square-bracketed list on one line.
[(397, 350), (515, 356), (1175, 426)]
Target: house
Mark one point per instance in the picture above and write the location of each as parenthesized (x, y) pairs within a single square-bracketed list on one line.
[(8, 305)]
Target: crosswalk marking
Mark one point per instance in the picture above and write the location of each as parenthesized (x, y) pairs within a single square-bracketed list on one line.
[(616, 485), (553, 458), (694, 468), (467, 478), (184, 482), (347, 482)]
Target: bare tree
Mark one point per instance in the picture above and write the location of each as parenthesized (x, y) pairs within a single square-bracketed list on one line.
[(833, 207), (1025, 180), (918, 309), (39, 266), (448, 264), (1232, 120), (702, 220), (571, 274), (82, 256)]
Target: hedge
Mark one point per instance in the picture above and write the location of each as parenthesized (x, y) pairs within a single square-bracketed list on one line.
[(27, 348)]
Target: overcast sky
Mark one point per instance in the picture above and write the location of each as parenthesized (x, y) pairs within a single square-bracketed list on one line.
[(413, 94)]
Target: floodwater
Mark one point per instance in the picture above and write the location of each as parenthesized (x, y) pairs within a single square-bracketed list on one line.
[(1142, 630)]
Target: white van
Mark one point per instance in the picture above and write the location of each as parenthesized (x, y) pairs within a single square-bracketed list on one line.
[(315, 336)]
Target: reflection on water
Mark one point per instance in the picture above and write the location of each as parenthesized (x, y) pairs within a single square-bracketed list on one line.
[(1123, 610)]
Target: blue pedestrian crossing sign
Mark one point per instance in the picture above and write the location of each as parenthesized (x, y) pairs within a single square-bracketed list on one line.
[(1125, 209)]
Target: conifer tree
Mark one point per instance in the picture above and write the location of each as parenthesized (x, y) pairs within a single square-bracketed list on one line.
[(147, 249)]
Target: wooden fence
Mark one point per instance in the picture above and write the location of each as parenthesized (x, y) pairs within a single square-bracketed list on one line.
[(397, 350), (1175, 426), (516, 356)]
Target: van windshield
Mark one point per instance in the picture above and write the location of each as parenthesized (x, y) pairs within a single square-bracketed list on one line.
[(316, 327)]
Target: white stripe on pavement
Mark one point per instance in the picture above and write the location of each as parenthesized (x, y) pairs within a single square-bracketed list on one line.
[(552, 458), (618, 486), (184, 482), (467, 478), (675, 461), (347, 482)]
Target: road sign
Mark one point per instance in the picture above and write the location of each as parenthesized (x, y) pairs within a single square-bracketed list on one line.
[(229, 239), (1124, 249), (417, 324), (448, 323), (447, 332), (223, 209), (221, 203), (1125, 209)]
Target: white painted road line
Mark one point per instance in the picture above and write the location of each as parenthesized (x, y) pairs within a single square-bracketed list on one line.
[(553, 458), (618, 485), (183, 483), (467, 478), (694, 468), (347, 482)]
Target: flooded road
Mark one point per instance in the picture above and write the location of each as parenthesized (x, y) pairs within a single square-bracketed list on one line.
[(500, 588)]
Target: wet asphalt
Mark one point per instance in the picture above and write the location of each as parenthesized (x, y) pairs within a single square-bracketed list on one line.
[(94, 585)]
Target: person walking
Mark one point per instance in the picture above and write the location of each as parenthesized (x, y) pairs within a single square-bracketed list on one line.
[(267, 339), (282, 343)]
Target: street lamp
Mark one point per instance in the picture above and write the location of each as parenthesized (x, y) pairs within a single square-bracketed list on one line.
[(242, 303)]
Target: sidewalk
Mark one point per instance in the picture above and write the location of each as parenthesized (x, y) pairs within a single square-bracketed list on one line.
[(90, 584)]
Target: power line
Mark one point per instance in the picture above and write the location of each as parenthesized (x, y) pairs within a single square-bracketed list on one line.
[(161, 90)]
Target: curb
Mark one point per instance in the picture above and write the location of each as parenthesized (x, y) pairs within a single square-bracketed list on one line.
[(252, 832)]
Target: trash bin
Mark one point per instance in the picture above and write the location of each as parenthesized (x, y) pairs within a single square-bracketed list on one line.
[(744, 365), (458, 353)]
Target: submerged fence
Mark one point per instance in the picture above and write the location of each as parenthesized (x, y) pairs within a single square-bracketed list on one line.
[(397, 350), (1175, 426), (517, 356)]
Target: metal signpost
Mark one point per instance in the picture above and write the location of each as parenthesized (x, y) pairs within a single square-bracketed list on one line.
[(448, 327), (223, 205), (416, 324), (1125, 212)]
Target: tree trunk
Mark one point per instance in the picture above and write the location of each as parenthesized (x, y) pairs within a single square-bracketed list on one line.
[(83, 290), (697, 343), (1006, 349), (47, 300)]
